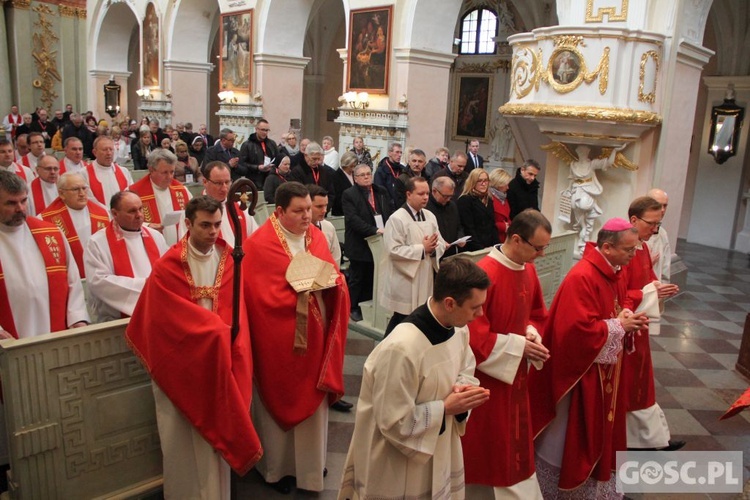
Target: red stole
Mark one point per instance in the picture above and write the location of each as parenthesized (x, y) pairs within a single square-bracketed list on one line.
[(47, 238), (575, 334), (243, 223), (25, 160), (57, 212), (188, 352), (20, 171), (145, 189), (96, 185), (637, 367), (63, 167), (38, 193), (17, 120), (119, 250), (291, 385), (503, 424)]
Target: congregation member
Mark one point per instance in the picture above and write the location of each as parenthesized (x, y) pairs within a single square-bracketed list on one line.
[(362, 152), (258, 155), (76, 128), (415, 168), (140, 149), (439, 162), (343, 179), (201, 377), (389, 168), (7, 164), (105, 178), (59, 121), (36, 150), (505, 340), (206, 138), (161, 194), (224, 151), (43, 126), (40, 288), (366, 210), (456, 172), (477, 211), (22, 147), (298, 335), (279, 175), (11, 121), (119, 259), (44, 187), (198, 150), (75, 215), (473, 158), (291, 147), (73, 159), (312, 170), (646, 424), (523, 190), (499, 180), (578, 414), (331, 156), (122, 148), (157, 134), (658, 244), (418, 388), (186, 169), (445, 210), (300, 156), (25, 127), (412, 247)]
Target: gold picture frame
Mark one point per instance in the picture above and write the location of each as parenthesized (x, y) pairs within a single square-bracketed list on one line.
[(236, 51), (472, 106), (369, 50), (566, 69)]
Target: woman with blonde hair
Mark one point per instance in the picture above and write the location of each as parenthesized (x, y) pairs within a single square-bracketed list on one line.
[(186, 164), (499, 180), (477, 212)]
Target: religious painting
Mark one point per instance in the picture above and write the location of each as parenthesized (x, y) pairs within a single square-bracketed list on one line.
[(236, 51), (473, 98), (369, 50), (150, 45), (565, 70)]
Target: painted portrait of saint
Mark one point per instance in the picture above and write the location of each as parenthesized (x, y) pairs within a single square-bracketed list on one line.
[(369, 50), (236, 50)]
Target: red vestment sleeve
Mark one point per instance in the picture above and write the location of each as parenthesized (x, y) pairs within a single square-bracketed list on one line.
[(189, 353)]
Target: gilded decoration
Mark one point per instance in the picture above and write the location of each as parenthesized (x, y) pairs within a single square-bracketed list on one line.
[(67, 10), (624, 115), (582, 135), (524, 73), (43, 42), (487, 67), (610, 12), (21, 4), (649, 97)]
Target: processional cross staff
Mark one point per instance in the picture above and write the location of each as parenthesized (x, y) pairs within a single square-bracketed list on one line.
[(243, 191)]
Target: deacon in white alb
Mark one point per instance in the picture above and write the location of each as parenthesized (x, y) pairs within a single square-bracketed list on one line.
[(105, 177)]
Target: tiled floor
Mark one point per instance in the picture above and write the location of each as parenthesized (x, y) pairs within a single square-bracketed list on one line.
[(693, 358)]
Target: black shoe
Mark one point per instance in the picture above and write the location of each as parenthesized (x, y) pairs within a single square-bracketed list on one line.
[(355, 316), (673, 446), (285, 485), (342, 406)]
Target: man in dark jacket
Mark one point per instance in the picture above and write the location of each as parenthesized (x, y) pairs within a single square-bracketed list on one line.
[(226, 152), (523, 190), (366, 210), (415, 168), (77, 129), (388, 171), (312, 170), (445, 210), (456, 171), (259, 154)]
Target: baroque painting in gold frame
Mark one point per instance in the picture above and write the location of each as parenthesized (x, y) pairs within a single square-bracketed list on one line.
[(236, 51), (369, 50)]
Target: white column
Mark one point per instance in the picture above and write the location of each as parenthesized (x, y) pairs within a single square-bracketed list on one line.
[(279, 80), (188, 83)]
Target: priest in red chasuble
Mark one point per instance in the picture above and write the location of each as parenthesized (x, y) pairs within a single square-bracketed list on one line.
[(646, 424), (506, 340), (298, 310), (579, 417), (202, 380)]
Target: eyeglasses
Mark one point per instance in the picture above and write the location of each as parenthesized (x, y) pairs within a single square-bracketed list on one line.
[(483, 181), (79, 189), (220, 183), (444, 195), (366, 174), (535, 247), (650, 222)]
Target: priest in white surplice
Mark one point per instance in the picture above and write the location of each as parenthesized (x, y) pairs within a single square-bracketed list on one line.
[(105, 177), (412, 247), (40, 289), (8, 163), (161, 194), (658, 244), (35, 141), (216, 181), (73, 159), (118, 259), (319, 198), (44, 187), (418, 386)]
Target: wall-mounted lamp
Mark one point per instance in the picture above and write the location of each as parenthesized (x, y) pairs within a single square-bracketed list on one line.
[(726, 123), (143, 93), (112, 97), (356, 100), (227, 96)]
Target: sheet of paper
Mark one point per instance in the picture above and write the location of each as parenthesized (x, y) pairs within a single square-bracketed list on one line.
[(266, 160), (379, 221), (461, 240), (172, 218)]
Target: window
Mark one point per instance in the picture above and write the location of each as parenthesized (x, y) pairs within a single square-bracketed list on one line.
[(478, 27)]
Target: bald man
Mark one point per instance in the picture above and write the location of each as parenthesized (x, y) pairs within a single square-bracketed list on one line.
[(661, 251)]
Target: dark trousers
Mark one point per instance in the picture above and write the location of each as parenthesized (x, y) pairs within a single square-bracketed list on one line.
[(360, 282), (396, 319)]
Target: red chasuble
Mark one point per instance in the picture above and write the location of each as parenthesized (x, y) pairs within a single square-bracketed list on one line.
[(575, 334), (292, 385), (499, 443), (189, 353), (57, 212), (145, 189), (96, 185), (49, 241), (637, 368)]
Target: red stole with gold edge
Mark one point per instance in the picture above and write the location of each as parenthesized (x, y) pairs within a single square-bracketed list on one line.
[(119, 250), (145, 189), (58, 213), (96, 185), (49, 241), (38, 194)]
